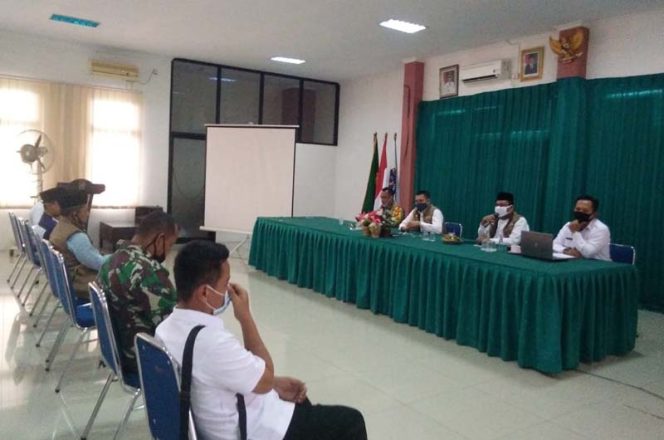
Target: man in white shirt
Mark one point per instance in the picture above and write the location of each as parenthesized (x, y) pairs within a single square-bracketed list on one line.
[(276, 407), (504, 225), (425, 217), (585, 236)]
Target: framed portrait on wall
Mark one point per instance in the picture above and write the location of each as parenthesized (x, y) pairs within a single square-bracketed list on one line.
[(532, 63), (449, 81)]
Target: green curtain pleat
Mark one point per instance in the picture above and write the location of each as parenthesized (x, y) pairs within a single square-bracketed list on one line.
[(626, 169), (548, 144)]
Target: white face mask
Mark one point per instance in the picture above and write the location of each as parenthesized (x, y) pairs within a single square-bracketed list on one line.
[(502, 211), (224, 306)]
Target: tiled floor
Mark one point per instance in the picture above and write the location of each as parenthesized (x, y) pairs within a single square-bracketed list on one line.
[(409, 384)]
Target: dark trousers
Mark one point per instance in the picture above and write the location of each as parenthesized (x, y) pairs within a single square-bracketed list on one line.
[(323, 422)]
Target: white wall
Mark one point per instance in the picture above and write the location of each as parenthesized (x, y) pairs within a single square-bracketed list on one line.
[(621, 46), (314, 180), (367, 105)]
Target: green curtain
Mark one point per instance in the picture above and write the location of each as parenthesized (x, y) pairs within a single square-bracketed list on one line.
[(547, 144), (626, 169)]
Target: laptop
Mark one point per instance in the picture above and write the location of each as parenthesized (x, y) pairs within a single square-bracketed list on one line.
[(540, 245)]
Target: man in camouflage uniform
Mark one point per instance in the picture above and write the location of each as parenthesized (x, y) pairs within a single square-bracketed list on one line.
[(139, 292)]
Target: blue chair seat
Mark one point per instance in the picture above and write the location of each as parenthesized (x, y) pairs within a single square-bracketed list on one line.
[(84, 316)]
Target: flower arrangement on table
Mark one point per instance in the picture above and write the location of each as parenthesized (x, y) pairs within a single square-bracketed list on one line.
[(373, 223)]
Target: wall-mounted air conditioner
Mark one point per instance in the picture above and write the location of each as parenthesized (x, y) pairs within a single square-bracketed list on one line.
[(498, 69), (114, 70)]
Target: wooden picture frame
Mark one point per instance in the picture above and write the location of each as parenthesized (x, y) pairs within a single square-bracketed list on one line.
[(448, 78), (532, 63)]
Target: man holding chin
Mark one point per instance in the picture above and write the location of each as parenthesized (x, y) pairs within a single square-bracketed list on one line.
[(585, 236)]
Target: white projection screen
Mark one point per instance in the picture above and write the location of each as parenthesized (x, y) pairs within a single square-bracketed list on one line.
[(249, 173)]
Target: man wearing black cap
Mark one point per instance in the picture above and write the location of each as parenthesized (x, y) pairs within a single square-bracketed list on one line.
[(69, 238), (505, 224), (48, 220)]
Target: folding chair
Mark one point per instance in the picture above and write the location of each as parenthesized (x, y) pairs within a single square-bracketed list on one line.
[(453, 228), (80, 315), (22, 249), (622, 253), (25, 231), (20, 261), (160, 382), (49, 268), (111, 358), (33, 241)]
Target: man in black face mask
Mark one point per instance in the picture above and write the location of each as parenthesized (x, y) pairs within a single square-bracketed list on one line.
[(139, 292), (424, 217), (585, 236)]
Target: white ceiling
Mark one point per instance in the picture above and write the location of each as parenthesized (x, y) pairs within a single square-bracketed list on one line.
[(340, 39)]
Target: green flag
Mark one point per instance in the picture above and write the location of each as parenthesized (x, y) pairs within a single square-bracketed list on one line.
[(370, 195)]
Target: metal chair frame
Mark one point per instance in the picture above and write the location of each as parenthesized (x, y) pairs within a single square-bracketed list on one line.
[(69, 304), (46, 249), (20, 261), (110, 356)]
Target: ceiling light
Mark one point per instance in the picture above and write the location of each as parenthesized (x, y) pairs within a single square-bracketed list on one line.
[(287, 60), (403, 26), (74, 20)]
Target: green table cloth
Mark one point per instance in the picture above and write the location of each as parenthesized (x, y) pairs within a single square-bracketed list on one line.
[(545, 315)]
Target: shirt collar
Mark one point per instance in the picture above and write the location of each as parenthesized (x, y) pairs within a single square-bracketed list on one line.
[(197, 317)]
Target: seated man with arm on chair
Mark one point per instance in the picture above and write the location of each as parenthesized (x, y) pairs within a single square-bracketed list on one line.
[(505, 224), (425, 217), (139, 291), (69, 238), (276, 407), (585, 236)]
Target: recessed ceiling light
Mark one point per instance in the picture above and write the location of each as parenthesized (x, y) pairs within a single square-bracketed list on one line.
[(403, 26), (287, 60), (74, 20)]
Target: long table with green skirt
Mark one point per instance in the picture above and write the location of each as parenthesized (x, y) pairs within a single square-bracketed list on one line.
[(545, 315)]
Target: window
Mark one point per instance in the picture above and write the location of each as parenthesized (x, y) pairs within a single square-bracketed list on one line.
[(193, 97), (19, 110), (240, 97), (114, 150), (319, 119), (281, 100), (96, 134)]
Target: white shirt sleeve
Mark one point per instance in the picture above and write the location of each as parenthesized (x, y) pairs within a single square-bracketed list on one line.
[(436, 225), (563, 239), (235, 368), (597, 239), (515, 237), (36, 212), (405, 221), (483, 230)]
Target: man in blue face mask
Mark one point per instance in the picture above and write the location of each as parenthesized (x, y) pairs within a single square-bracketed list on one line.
[(276, 407), (424, 217), (585, 236)]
